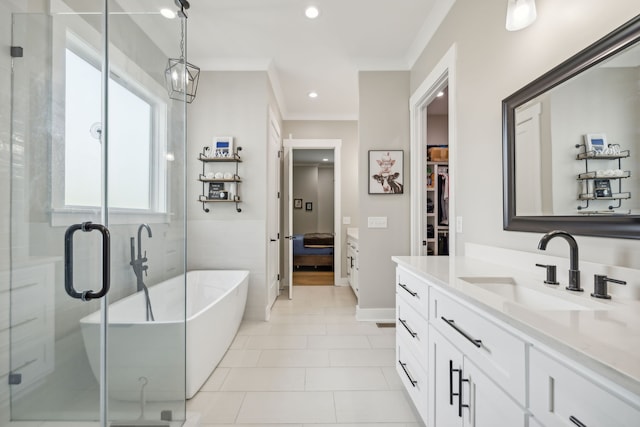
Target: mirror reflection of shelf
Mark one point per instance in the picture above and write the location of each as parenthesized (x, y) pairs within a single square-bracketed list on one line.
[(589, 155), (614, 196), (596, 175)]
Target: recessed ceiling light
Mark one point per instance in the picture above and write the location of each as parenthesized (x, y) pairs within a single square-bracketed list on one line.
[(440, 94), (312, 94), (167, 13), (325, 160), (311, 12)]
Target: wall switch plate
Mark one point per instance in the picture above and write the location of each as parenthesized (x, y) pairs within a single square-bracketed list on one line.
[(458, 224), (377, 222), (346, 220)]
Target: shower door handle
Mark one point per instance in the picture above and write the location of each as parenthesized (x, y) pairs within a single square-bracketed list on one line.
[(68, 261)]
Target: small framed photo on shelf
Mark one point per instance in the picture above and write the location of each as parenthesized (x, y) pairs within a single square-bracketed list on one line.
[(308, 206), (217, 191), (297, 203), (386, 172), (595, 143), (601, 188)]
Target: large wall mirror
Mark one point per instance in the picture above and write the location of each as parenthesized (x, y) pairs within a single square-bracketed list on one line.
[(571, 143)]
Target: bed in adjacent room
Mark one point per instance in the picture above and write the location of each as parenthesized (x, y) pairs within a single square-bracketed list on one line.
[(313, 250)]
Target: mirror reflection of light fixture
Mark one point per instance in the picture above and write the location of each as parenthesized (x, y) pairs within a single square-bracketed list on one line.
[(520, 14), (181, 77)]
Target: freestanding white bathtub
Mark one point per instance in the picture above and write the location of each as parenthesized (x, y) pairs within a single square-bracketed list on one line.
[(154, 349)]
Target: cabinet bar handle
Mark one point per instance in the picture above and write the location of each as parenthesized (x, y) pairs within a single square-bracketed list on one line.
[(403, 286), (460, 404), (451, 393), (477, 343), (576, 421), (403, 366), (404, 323)]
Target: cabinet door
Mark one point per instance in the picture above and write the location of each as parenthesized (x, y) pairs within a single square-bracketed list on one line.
[(488, 405), (445, 365)]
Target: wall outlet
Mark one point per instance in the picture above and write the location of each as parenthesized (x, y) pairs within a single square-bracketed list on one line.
[(458, 224), (377, 222), (346, 220)]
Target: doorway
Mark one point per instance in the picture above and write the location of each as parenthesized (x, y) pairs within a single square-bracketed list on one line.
[(312, 212)]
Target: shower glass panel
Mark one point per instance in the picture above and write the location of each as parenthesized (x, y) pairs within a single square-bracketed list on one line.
[(96, 138)]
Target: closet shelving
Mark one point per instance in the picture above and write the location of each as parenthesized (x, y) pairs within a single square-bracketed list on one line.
[(232, 190), (436, 228), (590, 177)]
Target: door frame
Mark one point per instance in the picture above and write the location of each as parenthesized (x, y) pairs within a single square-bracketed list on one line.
[(442, 75), (315, 144)]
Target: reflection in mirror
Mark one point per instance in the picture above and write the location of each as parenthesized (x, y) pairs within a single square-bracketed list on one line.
[(577, 145), (571, 143)]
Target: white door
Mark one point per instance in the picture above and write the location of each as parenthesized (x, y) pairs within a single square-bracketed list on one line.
[(445, 370), (273, 213), (288, 182)]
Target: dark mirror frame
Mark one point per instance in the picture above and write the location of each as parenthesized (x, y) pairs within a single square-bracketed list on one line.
[(620, 226)]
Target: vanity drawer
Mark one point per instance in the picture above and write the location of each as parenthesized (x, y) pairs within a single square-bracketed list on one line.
[(413, 290), (498, 353), (413, 375), (413, 328), (559, 395)]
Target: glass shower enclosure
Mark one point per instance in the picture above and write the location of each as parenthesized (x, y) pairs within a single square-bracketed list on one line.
[(97, 214)]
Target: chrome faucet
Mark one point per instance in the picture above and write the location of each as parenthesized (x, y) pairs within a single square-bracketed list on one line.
[(574, 272)]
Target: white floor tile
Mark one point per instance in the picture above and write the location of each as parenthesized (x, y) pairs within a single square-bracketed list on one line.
[(288, 329), (216, 407), (287, 407), (328, 379), (294, 358), (360, 328), (382, 341), (358, 357), (215, 380), (240, 358), (393, 379), (339, 341), (265, 379), (283, 342), (372, 407)]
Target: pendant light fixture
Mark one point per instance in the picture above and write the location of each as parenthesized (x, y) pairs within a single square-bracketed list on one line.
[(520, 14), (181, 77)]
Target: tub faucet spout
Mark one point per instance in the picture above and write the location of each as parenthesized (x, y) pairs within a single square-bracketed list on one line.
[(574, 272)]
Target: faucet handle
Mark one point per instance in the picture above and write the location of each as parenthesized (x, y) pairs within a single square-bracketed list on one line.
[(551, 274), (600, 285)]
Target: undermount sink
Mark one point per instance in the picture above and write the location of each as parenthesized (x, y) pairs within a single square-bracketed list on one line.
[(510, 290)]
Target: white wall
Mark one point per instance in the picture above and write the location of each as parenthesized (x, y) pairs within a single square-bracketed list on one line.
[(491, 64), (325, 200), (383, 124), (235, 104), (305, 187)]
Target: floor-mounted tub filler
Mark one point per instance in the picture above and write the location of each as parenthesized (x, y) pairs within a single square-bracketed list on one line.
[(148, 349)]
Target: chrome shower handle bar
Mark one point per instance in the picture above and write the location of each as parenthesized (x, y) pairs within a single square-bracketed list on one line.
[(68, 261)]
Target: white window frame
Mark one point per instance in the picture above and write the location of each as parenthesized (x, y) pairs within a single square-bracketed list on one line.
[(141, 84)]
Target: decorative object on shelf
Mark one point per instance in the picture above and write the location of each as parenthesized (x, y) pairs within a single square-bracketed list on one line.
[(386, 172), (595, 143), (308, 206), (181, 77), (297, 203), (597, 184), (222, 146), (223, 186)]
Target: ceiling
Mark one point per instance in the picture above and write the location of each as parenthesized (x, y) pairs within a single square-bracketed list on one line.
[(303, 55)]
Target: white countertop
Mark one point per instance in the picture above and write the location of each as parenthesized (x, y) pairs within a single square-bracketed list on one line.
[(605, 339)]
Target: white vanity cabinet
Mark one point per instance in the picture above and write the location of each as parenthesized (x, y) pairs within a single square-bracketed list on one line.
[(560, 396), (412, 337), (462, 394), (352, 263)]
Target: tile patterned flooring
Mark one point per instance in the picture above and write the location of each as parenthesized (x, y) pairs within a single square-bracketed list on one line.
[(311, 365)]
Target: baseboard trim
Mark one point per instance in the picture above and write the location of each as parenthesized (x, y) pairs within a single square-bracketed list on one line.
[(382, 315)]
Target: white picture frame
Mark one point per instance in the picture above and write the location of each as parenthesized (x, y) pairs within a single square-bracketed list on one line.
[(222, 146), (595, 143)]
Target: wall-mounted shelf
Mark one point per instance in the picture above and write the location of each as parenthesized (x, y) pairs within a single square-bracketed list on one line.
[(227, 193), (591, 178)]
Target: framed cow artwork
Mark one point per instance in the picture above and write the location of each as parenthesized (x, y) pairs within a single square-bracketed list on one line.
[(386, 172)]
